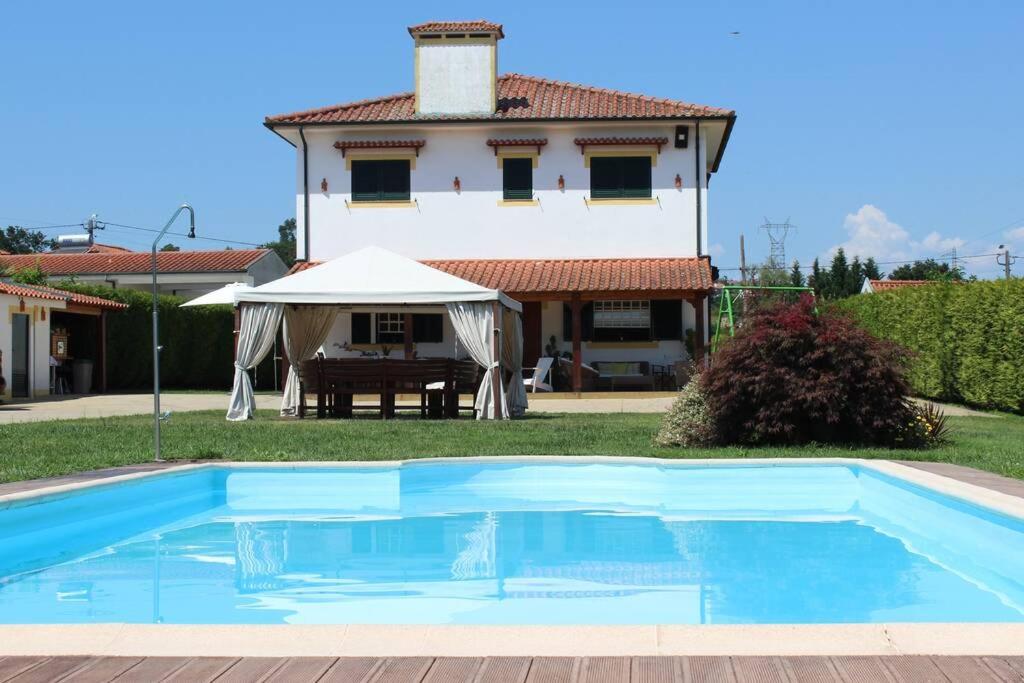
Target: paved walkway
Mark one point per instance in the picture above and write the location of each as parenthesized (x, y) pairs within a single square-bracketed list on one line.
[(514, 669)]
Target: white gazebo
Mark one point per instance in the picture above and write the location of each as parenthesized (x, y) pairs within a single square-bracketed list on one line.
[(488, 323)]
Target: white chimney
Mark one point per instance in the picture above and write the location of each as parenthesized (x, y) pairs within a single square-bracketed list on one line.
[(456, 65)]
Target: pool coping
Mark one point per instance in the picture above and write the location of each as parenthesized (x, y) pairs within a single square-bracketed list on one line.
[(293, 640)]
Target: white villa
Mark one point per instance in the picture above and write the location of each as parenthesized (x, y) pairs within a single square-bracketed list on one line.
[(589, 206)]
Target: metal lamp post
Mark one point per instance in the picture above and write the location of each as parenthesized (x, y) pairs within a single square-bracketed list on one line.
[(156, 326)]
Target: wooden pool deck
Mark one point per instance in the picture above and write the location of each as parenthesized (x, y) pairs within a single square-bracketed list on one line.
[(512, 669)]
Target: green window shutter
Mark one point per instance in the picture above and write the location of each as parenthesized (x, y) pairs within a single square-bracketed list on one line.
[(667, 319), (605, 176), (360, 328), (427, 328), (636, 176), (586, 322), (384, 180), (517, 178), (394, 184)]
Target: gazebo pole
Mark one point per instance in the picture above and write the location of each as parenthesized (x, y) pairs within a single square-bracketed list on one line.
[(496, 359)]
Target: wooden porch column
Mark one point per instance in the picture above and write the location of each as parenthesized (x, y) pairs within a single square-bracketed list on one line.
[(103, 352), (577, 347), (407, 335), (699, 349), (496, 358)]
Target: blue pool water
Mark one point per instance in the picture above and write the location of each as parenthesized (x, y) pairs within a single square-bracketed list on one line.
[(510, 543)]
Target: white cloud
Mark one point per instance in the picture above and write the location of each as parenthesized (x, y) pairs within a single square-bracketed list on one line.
[(1015, 235), (871, 233), (716, 250)]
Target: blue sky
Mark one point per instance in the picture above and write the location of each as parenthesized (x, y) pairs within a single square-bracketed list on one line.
[(894, 128)]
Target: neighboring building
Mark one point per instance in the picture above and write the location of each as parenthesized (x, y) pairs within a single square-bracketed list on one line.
[(40, 323), (185, 273), (875, 286), (588, 205)]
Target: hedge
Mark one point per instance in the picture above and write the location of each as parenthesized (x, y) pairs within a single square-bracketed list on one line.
[(967, 338), (198, 343)]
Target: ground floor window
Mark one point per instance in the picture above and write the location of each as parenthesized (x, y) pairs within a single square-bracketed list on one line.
[(627, 320), (389, 328)]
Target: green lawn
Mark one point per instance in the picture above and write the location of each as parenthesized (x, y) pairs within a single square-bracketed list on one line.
[(43, 449)]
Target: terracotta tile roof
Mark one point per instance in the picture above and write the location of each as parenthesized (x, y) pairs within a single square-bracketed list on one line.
[(234, 260), (520, 98), (52, 294), (4, 253), (556, 276), (885, 285), (476, 26), (98, 248)]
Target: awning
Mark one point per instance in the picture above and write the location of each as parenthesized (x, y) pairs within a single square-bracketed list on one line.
[(224, 295), (373, 276)]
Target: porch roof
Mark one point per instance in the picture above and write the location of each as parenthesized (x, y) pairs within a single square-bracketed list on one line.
[(53, 294), (551, 278)]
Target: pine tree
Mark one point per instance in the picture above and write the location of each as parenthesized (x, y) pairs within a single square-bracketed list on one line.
[(855, 279), (818, 279), (871, 270), (838, 275), (796, 276)]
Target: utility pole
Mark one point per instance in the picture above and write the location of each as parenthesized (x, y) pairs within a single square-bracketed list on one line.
[(1007, 260), (743, 262), (92, 224)]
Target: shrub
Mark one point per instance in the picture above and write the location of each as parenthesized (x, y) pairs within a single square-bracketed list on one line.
[(928, 427), (792, 376), (967, 338), (688, 422)]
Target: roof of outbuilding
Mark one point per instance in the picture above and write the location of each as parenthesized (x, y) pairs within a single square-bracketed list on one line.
[(883, 285), (520, 98), (230, 260), (556, 276), (53, 294)]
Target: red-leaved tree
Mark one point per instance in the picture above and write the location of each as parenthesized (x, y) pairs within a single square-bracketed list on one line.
[(794, 376)]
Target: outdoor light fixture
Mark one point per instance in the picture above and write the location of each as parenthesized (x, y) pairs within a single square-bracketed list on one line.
[(42, 314), (156, 325), (679, 182), (561, 183), (323, 185), (21, 305), (457, 184)]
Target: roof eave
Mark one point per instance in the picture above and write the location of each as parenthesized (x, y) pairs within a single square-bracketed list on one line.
[(499, 122)]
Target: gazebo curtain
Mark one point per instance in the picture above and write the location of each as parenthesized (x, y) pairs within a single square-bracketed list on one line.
[(256, 333), (474, 324), (512, 360), (305, 331)]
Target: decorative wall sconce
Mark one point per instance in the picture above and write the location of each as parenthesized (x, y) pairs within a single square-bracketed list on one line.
[(21, 305), (457, 184), (679, 182), (323, 185), (42, 314), (561, 183)]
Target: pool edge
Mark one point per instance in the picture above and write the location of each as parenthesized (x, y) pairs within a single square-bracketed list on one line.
[(293, 640)]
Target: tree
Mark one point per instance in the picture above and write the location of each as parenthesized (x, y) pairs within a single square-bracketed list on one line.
[(818, 279), (871, 270), (170, 247), (927, 269), (18, 240), (796, 276), (855, 279), (29, 275), (838, 274), (285, 244)]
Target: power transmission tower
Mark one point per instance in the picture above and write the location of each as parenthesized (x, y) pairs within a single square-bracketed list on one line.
[(954, 262), (777, 233)]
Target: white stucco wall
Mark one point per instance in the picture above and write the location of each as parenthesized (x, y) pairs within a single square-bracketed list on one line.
[(455, 78), (471, 224), (39, 342)]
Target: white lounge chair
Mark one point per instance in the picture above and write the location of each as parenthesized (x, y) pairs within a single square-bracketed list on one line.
[(540, 373)]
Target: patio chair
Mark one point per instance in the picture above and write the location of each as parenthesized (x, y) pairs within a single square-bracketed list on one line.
[(540, 373)]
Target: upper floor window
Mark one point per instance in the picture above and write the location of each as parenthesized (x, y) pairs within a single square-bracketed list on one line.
[(517, 178), (380, 180), (620, 177)]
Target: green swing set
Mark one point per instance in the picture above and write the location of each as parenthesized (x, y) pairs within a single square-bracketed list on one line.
[(731, 296)]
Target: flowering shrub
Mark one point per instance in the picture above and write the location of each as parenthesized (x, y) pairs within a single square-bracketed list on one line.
[(688, 421), (927, 427), (793, 376)]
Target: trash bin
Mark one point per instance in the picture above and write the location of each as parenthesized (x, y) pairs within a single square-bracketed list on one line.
[(82, 374)]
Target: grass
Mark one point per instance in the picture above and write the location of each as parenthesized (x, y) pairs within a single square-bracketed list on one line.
[(43, 449)]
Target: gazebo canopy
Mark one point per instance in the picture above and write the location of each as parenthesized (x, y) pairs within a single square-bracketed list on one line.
[(372, 276), (224, 295)]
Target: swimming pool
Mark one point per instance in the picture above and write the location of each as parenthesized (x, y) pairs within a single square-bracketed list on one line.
[(511, 542)]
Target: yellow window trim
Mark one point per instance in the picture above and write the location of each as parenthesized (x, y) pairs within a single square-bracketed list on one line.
[(534, 156), (636, 201), (621, 152), (410, 204), (518, 202), (370, 155), (623, 345)]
